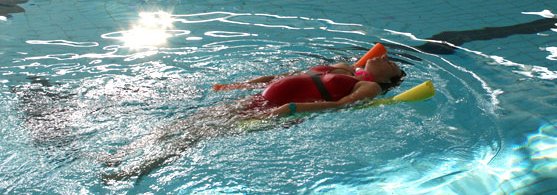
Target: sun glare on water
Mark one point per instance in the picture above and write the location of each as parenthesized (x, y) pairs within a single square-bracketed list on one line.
[(150, 30)]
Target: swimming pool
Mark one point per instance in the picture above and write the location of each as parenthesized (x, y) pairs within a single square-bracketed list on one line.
[(82, 79)]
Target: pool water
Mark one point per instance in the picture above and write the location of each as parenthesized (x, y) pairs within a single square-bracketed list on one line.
[(82, 80)]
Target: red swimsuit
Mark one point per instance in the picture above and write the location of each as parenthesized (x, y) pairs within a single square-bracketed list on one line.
[(302, 88)]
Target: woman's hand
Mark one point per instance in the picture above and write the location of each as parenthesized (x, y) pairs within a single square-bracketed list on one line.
[(303, 107), (280, 111), (262, 79)]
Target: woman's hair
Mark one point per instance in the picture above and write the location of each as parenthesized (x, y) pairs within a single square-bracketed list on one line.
[(395, 82)]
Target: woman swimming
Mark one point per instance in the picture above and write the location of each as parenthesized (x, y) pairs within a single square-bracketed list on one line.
[(321, 87), (324, 87)]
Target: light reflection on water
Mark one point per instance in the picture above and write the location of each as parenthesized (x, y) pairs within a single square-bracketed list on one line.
[(106, 109), (530, 168), (553, 51), (156, 72)]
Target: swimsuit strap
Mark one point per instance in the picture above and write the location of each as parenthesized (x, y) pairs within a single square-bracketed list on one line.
[(316, 78)]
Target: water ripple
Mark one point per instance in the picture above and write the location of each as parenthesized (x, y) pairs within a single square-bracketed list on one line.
[(553, 51), (268, 21), (63, 42), (134, 91), (228, 34)]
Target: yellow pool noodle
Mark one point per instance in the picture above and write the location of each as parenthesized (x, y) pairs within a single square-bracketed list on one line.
[(420, 92)]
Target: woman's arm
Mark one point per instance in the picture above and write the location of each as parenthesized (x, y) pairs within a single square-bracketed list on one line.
[(262, 81), (344, 66), (258, 82), (361, 91), (266, 79)]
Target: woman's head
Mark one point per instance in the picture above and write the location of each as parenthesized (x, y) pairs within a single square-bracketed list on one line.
[(385, 72)]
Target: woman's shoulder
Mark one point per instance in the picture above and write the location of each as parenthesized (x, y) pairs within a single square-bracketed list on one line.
[(321, 69), (367, 85), (343, 66)]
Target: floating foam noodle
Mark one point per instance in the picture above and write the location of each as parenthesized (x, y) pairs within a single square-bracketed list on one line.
[(378, 50), (420, 92)]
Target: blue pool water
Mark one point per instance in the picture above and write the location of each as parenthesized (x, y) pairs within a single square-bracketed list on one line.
[(81, 80)]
